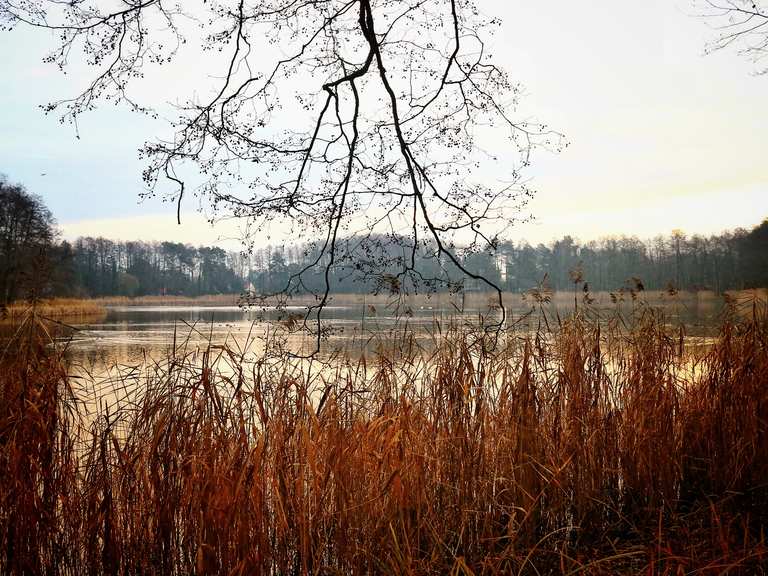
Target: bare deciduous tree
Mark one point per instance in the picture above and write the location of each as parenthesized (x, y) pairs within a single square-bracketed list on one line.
[(739, 24), (27, 233), (342, 118)]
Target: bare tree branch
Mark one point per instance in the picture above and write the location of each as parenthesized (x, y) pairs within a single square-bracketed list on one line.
[(741, 25), (369, 122)]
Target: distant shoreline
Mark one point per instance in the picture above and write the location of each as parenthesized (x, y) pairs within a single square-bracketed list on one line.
[(94, 307), (54, 308), (354, 298)]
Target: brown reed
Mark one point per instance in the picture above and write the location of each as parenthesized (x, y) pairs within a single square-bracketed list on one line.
[(171, 300), (594, 449), (59, 308)]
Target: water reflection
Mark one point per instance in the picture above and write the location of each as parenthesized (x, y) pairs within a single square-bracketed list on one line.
[(131, 335)]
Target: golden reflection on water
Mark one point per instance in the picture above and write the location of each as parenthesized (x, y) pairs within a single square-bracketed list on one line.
[(134, 336)]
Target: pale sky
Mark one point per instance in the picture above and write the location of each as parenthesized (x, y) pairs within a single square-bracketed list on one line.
[(661, 136)]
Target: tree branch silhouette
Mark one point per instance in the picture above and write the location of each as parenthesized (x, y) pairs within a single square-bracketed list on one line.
[(370, 123), (741, 25)]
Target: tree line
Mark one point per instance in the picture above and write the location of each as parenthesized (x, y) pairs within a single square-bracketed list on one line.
[(101, 267), (732, 260), (34, 261)]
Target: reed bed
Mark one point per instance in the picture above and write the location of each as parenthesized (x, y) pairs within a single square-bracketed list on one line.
[(169, 300), (593, 449), (58, 308)]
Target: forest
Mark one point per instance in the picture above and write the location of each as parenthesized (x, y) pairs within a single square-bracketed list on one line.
[(35, 261), (101, 267)]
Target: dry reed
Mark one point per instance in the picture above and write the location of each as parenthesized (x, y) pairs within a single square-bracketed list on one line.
[(66, 308), (171, 300), (591, 450)]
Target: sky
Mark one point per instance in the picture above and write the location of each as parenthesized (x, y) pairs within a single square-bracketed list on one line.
[(661, 136)]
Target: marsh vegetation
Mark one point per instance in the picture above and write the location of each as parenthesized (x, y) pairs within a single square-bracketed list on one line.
[(401, 388), (583, 448)]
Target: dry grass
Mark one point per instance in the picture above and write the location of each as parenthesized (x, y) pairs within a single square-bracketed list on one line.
[(209, 300), (59, 308), (590, 450)]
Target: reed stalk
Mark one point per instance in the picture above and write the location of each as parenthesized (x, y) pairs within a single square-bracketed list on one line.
[(589, 449)]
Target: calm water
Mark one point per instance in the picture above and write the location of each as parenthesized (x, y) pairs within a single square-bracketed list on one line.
[(131, 335), (108, 356), (134, 334)]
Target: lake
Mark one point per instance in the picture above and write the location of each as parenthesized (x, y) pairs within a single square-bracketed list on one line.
[(132, 335)]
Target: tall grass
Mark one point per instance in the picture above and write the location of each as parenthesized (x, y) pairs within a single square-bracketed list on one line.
[(60, 308), (39, 482), (171, 300), (592, 449)]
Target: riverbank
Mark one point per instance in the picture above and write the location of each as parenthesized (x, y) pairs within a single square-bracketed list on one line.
[(55, 308), (468, 299), (171, 300)]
